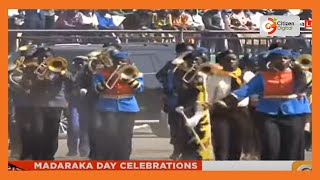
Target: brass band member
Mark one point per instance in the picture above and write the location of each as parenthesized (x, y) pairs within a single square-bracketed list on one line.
[(39, 132), (166, 77), (116, 106), (192, 105), (282, 106), (19, 83), (88, 93)]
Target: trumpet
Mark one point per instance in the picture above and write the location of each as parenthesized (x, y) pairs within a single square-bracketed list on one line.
[(304, 61), (51, 67), (128, 71)]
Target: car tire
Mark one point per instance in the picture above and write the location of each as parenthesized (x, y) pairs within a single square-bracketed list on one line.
[(63, 125), (161, 129)]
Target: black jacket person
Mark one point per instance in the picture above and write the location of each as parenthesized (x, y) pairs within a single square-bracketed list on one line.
[(47, 98)]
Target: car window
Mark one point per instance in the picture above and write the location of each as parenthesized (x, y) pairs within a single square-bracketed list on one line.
[(149, 59)]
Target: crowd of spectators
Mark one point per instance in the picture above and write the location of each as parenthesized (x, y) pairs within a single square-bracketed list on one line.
[(189, 19)]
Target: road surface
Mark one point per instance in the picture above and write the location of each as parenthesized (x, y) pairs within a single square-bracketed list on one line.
[(146, 146)]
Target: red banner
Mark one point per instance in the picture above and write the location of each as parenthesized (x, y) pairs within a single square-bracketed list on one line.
[(104, 165)]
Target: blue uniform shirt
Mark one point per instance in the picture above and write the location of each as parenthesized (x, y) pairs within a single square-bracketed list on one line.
[(272, 106), (128, 104), (168, 81)]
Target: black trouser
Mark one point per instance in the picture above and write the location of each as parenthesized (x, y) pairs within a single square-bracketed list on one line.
[(113, 135), (15, 143), (39, 127), (281, 136), (230, 130), (89, 115), (176, 125)]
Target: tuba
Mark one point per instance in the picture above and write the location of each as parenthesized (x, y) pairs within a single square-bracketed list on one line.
[(127, 71), (304, 61), (51, 68)]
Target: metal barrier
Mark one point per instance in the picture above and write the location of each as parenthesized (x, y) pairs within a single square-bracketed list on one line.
[(215, 40)]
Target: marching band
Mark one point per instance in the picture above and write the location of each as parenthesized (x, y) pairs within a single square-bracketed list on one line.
[(209, 105)]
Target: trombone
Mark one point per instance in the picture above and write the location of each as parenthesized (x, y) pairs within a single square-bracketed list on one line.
[(51, 67), (124, 70), (205, 68)]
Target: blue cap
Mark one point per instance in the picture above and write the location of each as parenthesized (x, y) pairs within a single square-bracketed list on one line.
[(283, 52), (120, 55), (202, 50), (295, 54)]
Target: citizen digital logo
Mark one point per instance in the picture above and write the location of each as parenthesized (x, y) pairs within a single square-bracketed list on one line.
[(280, 25)]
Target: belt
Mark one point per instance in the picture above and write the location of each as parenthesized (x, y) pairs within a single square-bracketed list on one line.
[(107, 96), (291, 96)]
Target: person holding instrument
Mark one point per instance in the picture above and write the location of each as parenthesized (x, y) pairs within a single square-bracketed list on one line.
[(116, 85), (282, 107), (46, 77)]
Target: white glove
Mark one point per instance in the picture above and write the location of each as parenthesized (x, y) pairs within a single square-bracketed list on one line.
[(83, 91), (194, 120)]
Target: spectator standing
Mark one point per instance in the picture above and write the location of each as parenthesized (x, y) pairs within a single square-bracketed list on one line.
[(195, 20), (180, 20), (255, 15), (105, 20), (49, 15), (161, 19), (69, 19), (88, 20), (34, 19), (213, 20), (239, 20)]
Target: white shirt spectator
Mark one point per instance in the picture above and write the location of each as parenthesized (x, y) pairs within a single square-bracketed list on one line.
[(195, 20), (92, 19), (294, 12), (222, 16), (255, 18)]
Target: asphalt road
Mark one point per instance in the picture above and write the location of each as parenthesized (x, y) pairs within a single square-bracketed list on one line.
[(146, 146)]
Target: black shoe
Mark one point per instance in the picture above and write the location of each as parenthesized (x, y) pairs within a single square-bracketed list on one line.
[(72, 154), (84, 154), (175, 156)]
